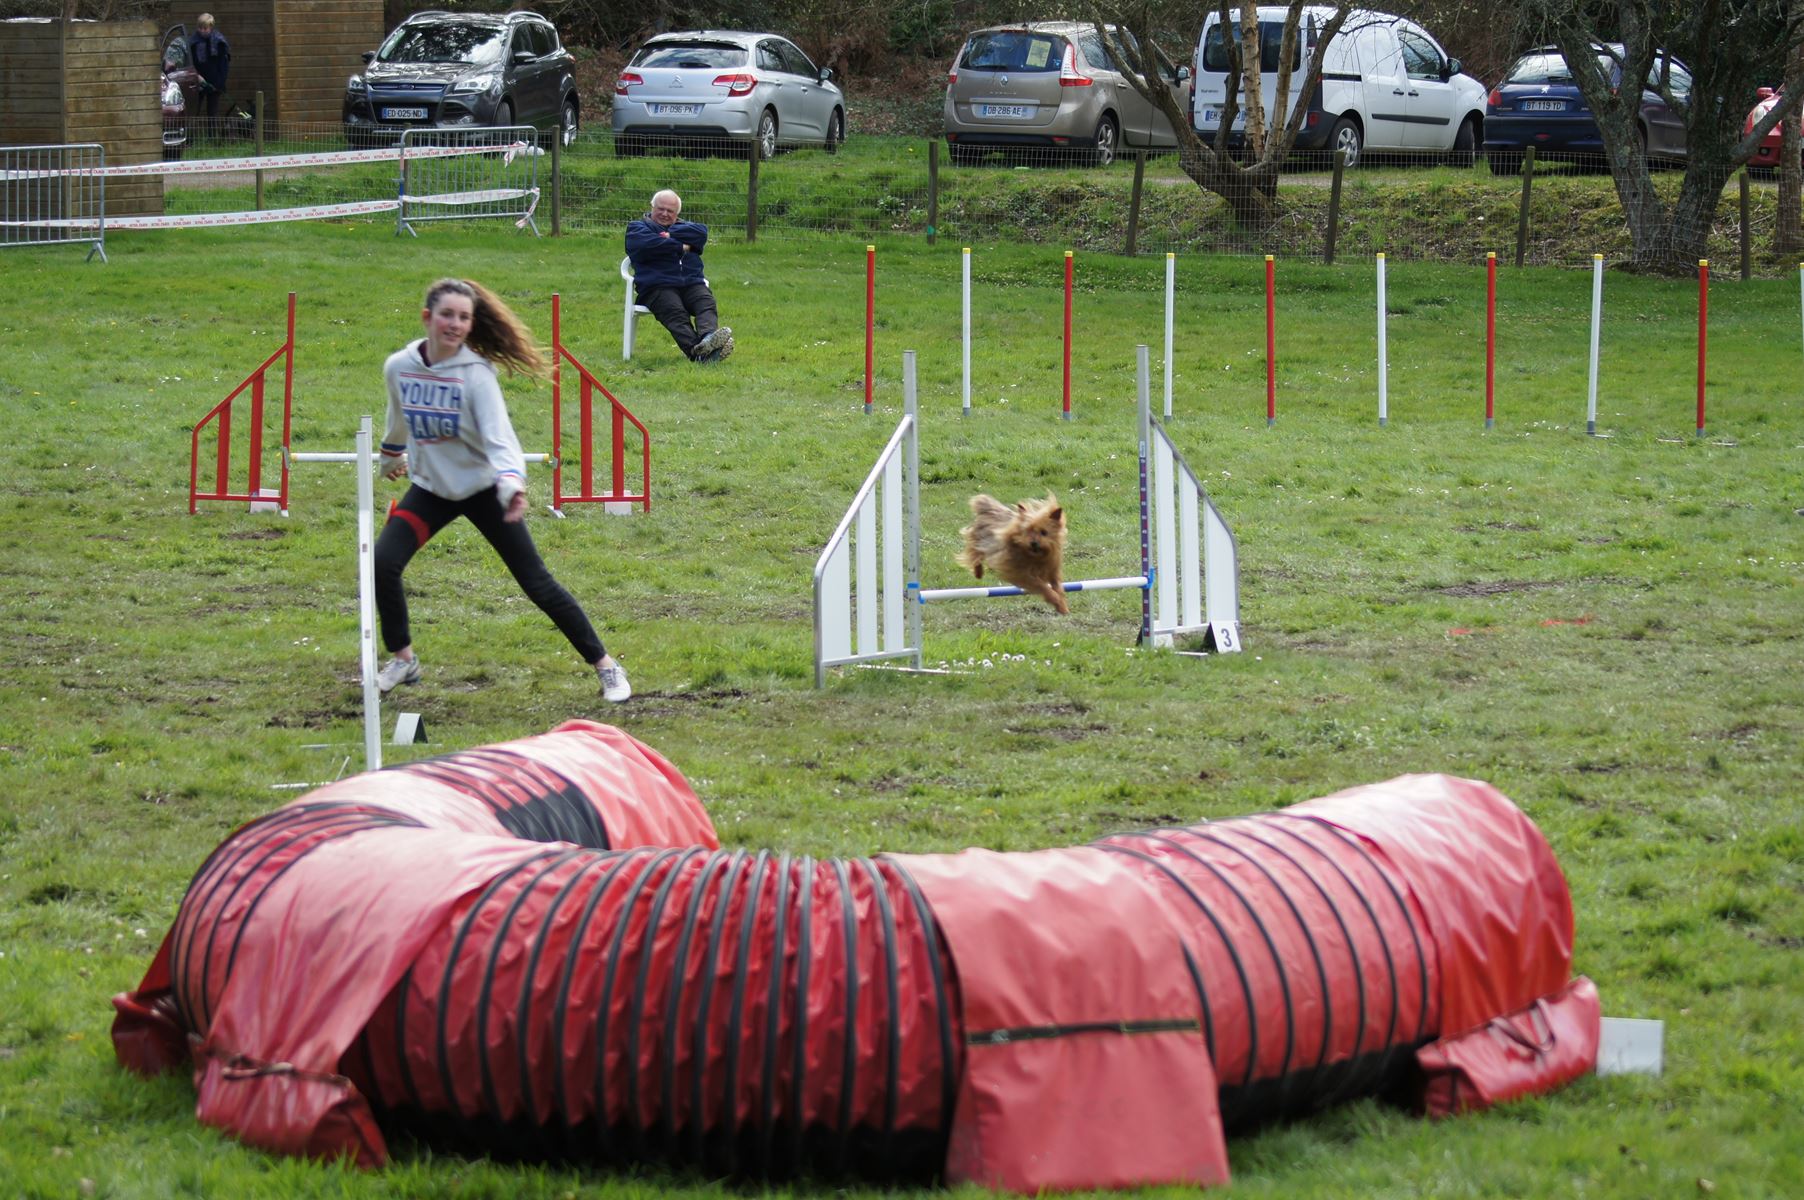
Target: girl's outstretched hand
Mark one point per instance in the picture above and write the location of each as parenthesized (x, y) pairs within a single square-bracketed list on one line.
[(516, 508)]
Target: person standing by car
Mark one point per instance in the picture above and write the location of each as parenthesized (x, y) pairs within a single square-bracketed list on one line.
[(211, 55), (668, 278), (448, 427)]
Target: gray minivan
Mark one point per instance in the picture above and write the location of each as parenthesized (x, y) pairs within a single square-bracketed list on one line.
[(1051, 85)]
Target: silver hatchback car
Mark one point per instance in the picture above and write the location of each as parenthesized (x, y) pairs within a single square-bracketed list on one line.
[(755, 90), (1051, 84)]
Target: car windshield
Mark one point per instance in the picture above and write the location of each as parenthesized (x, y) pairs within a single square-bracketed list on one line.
[(1013, 50), (444, 42), (699, 55)]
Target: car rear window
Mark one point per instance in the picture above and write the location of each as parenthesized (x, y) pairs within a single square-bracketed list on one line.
[(703, 55), (1551, 68), (1271, 40), (1013, 50)]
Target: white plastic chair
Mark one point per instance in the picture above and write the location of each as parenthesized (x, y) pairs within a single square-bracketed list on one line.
[(629, 325), (630, 322)]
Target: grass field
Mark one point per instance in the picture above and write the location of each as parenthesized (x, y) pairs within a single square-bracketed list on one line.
[(1607, 629)]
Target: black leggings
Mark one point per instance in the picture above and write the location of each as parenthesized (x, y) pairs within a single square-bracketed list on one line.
[(688, 312), (422, 514)]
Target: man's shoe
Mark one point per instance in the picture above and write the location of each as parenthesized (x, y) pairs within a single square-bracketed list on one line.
[(710, 340), (614, 687), (397, 671), (722, 346)]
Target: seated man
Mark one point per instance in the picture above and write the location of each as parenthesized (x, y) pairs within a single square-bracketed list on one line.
[(667, 279)]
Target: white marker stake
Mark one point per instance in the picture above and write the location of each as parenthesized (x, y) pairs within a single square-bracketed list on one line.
[(967, 342), (1383, 367), (1171, 266), (1597, 317), (366, 595)]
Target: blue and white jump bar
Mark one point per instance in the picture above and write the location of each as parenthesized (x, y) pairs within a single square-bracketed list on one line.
[(1117, 583)]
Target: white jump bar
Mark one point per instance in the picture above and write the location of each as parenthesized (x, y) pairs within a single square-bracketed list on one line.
[(329, 457)]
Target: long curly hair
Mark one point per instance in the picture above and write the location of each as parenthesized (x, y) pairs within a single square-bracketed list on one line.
[(495, 332)]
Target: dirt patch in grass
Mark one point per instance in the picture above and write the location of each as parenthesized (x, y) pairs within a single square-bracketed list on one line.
[(1493, 587)]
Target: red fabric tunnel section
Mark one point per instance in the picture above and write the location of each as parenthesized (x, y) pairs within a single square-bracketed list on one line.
[(538, 949)]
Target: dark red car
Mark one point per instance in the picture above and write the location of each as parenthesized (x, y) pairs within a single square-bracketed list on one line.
[(1766, 155), (180, 82)]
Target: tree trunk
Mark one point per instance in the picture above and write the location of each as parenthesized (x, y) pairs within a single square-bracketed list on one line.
[(1788, 238), (1251, 193)]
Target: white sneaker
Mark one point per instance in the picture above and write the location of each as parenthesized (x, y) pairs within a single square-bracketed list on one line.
[(397, 671), (614, 687)]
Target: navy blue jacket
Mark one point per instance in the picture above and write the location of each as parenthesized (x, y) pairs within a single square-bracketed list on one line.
[(658, 257), (212, 56)]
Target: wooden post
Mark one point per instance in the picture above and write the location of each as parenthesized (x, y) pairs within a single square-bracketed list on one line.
[(933, 190), (258, 149), (751, 194), (1747, 263), (1340, 167), (1133, 232), (557, 183), (1528, 182)]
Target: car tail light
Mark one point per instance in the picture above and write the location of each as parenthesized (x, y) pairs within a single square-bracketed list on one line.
[(951, 78), (1069, 75), (740, 84), (1495, 99), (627, 79)]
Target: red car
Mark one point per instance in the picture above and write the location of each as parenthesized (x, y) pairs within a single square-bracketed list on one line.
[(180, 80), (1766, 155)]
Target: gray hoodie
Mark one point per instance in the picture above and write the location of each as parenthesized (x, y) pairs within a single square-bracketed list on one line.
[(452, 423)]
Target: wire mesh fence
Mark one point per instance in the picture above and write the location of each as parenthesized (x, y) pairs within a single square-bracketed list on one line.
[(1423, 208)]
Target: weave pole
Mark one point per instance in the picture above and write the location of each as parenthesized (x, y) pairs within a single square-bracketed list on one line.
[(1271, 342), (1067, 409), (1597, 317), (1703, 333), (1171, 266), (870, 318), (1383, 352), (965, 350), (1490, 338)]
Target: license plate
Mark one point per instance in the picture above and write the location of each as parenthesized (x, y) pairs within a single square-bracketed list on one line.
[(403, 114), (1013, 112), (1543, 106), (675, 110)]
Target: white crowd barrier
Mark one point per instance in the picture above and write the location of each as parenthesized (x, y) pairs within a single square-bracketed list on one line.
[(51, 194)]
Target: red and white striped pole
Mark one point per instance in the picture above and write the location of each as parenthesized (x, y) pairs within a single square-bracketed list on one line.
[(1703, 333), (870, 318), (1067, 412), (1271, 342), (1490, 338)]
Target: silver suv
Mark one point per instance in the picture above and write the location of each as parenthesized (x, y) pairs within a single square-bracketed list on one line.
[(752, 90), (1052, 84)]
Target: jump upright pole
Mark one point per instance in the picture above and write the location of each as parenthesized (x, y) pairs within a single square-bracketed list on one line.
[(1383, 354), (965, 350), (1067, 410), (1171, 262), (1703, 333), (870, 318), (1490, 338), (1597, 317), (1271, 342)]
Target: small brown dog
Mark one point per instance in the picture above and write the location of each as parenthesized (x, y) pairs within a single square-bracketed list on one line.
[(1024, 545)]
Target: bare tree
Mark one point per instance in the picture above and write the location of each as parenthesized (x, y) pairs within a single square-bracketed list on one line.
[(1788, 236), (1245, 176), (1728, 46)]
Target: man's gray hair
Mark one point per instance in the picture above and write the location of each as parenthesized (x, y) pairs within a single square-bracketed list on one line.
[(666, 192)]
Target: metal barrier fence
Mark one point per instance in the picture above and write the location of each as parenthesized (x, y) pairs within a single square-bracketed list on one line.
[(49, 194), (502, 184), (912, 187)]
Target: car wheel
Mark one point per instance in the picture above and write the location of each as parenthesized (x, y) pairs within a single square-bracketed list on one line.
[(1108, 142), (1504, 162), (570, 123), (504, 114), (1347, 138), (1464, 143), (836, 131), (765, 143)]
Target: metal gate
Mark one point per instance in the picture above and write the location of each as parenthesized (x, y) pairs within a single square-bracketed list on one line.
[(469, 174), (52, 194)]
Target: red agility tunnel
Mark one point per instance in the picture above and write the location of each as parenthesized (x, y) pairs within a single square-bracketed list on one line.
[(1090, 1017)]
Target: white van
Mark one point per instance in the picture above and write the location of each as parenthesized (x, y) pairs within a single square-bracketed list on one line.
[(1386, 85)]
